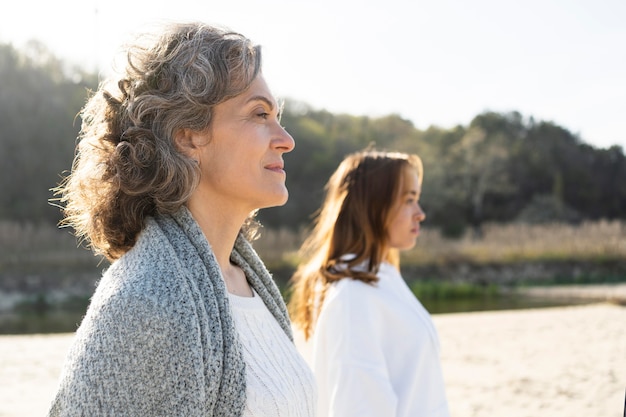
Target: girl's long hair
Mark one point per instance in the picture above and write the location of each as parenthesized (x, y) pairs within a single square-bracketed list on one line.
[(350, 229)]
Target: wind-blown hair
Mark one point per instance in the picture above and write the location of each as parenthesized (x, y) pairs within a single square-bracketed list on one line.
[(127, 166), (353, 220)]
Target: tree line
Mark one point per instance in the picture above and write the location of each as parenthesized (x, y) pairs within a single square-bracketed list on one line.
[(502, 167)]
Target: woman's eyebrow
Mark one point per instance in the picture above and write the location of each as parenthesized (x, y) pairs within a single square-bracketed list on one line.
[(264, 99)]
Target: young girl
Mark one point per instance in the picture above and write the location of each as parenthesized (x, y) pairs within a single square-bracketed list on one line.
[(374, 348)]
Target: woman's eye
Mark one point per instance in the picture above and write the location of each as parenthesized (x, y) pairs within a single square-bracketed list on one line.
[(263, 115)]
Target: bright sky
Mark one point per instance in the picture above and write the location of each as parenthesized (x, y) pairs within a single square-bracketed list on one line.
[(435, 62)]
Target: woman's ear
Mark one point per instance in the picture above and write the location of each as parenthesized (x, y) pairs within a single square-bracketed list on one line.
[(187, 141)]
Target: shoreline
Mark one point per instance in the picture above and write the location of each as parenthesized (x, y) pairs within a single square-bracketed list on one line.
[(544, 362), (613, 293)]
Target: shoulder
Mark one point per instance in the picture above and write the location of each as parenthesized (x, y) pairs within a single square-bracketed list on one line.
[(351, 314), (348, 289), (151, 256), (350, 297), (147, 280), (349, 300)]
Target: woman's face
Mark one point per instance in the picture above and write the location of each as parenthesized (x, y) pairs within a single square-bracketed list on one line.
[(406, 214), (242, 164)]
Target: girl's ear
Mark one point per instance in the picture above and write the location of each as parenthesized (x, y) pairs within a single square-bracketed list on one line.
[(187, 141)]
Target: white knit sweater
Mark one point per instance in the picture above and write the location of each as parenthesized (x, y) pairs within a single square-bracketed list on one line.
[(159, 339), (279, 382)]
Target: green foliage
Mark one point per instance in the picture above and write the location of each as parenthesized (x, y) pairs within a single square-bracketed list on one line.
[(39, 100), (443, 290), (547, 209), (500, 168)]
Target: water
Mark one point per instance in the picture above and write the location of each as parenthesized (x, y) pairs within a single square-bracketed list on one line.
[(33, 322), (64, 321), (503, 302)]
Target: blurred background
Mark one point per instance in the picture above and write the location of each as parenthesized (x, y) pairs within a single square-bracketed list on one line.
[(517, 110)]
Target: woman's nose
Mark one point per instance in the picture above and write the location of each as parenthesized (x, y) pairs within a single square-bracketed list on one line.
[(283, 140)]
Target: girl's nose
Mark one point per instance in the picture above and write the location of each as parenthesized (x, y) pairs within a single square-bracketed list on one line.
[(419, 214)]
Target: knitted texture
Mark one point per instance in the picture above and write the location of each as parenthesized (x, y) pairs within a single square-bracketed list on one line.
[(158, 338), (279, 383)]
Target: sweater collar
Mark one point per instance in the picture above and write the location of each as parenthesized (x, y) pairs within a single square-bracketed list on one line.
[(244, 256)]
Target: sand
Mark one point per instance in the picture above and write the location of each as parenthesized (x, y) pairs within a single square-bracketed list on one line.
[(544, 362), (551, 362)]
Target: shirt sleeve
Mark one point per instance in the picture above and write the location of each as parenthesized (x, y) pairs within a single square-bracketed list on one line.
[(348, 354)]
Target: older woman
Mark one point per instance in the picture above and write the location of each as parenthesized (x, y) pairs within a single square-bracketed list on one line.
[(174, 159)]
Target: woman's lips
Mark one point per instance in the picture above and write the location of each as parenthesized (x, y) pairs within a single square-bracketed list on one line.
[(277, 167)]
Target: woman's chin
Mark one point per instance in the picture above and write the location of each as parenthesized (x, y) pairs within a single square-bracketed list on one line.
[(277, 200)]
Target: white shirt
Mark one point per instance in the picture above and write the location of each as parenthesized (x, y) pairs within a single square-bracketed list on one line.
[(375, 352), (278, 381)]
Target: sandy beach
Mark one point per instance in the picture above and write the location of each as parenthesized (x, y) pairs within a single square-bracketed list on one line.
[(550, 362)]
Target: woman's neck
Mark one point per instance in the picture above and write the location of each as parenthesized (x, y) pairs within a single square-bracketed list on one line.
[(219, 226)]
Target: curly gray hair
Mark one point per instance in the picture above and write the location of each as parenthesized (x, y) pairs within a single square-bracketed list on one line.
[(127, 166)]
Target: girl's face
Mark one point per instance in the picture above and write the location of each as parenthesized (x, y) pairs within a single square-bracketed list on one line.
[(406, 214), (242, 166)]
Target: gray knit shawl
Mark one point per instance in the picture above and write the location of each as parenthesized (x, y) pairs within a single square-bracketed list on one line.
[(158, 338)]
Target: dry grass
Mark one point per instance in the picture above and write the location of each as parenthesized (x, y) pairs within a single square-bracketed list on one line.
[(22, 243), (592, 241), (39, 244)]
